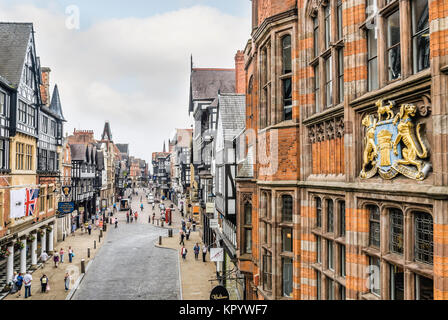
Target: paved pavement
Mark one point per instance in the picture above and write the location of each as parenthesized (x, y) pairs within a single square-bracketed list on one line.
[(129, 266), (79, 243)]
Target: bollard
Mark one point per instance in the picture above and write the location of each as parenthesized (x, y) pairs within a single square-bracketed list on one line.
[(88, 252), (160, 240), (99, 239), (162, 223), (170, 233), (94, 244), (83, 266), (157, 222), (101, 233)]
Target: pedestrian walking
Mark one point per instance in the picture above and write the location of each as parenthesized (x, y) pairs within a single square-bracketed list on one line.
[(56, 259), (127, 217), (183, 252), (61, 255), (136, 216), (71, 254), (182, 236), (149, 221), (132, 217), (141, 207), (73, 228), (153, 217), (204, 252), (93, 220), (44, 258), (153, 205), (27, 279), (116, 222), (14, 288), (196, 251), (187, 234), (44, 283), (19, 283), (90, 229), (67, 281)]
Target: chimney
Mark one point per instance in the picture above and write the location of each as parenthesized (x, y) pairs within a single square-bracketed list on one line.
[(45, 86), (240, 73)]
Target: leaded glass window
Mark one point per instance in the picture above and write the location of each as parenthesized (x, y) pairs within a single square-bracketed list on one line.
[(374, 224), (424, 243), (396, 231), (330, 216), (287, 208), (342, 218), (287, 276)]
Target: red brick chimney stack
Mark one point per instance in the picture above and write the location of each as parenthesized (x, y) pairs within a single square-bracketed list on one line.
[(240, 74)]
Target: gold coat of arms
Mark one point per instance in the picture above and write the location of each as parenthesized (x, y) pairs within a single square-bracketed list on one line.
[(394, 145)]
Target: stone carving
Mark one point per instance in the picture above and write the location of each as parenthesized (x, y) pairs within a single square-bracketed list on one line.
[(383, 151)]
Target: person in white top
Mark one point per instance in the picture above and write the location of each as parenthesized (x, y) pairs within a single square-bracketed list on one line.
[(27, 282), (44, 258)]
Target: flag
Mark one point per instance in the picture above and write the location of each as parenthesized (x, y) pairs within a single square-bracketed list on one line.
[(31, 201), (17, 203)]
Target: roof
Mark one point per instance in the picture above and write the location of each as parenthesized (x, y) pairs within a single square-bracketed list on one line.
[(124, 148), (232, 114), (55, 104), (100, 159), (78, 152), (156, 155), (14, 39), (107, 134), (206, 83)]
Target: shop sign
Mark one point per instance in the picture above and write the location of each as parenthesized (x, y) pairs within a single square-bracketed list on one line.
[(219, 293), (66, 207), (217, 254)]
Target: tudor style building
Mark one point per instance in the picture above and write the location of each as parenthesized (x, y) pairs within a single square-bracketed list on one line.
[(26, 236), (343, 195)]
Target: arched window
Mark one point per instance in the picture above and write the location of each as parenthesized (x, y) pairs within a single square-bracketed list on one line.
[(318, 212), (247, 228), (286, 50), (328, 56), (330, 215)]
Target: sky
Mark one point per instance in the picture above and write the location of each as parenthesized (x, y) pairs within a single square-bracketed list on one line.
[(128, 62)]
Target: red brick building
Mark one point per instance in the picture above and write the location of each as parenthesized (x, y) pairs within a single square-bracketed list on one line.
[(343, 181)]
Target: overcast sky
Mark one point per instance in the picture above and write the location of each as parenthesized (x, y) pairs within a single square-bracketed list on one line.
[(129, 61)]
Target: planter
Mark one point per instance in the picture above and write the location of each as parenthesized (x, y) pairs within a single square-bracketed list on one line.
[(30, 238), (19, 245), (49, 228), (4, 253)]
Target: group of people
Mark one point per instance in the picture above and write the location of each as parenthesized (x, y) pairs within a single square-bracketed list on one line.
[(131, 215), (20, 280), (58, 257), (25, 280), (184, 233)]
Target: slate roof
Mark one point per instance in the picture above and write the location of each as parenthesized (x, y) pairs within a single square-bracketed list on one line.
[(107, 134), (78, 152), (14, 39), (205, 83), (55, 104), (100, 160), (124, 148), (232, 114)]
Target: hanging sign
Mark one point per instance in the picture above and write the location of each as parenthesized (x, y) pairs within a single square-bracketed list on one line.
[(219, 293), (217, 254), (66, 207)]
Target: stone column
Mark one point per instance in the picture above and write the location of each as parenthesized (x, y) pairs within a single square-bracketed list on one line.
[(23, 257), (51, 240), (43, 241), (34, 251), (10, 264)]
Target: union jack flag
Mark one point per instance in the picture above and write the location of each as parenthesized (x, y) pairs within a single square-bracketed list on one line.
[(31, 201)]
